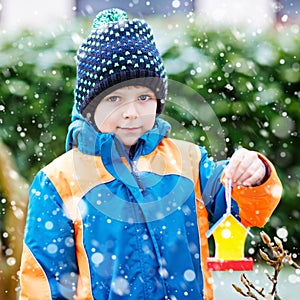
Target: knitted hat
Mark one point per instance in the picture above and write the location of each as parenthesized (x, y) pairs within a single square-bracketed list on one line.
[(118, 52)]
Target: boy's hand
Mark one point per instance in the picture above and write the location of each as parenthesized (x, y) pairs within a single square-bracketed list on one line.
[(245, 168)]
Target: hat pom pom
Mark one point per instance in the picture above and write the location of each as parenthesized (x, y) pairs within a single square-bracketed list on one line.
[(109, 15)]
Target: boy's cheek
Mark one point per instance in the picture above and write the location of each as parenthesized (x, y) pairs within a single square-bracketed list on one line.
[(103, 127), (104, 123)]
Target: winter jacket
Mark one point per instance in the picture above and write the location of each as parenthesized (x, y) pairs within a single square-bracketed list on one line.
[(107, 224)]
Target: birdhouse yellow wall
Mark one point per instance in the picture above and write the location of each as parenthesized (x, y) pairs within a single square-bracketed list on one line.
[(230, 237)]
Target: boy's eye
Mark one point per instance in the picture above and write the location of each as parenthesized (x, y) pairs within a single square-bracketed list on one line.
[(112, 99), (144, 97)]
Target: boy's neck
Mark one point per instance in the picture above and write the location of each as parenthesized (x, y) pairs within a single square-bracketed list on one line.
[(130, 150)]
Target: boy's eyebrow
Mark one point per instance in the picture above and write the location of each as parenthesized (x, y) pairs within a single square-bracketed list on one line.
[(147, 91)]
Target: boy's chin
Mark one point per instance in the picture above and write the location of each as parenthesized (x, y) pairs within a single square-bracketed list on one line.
[(128, 142)]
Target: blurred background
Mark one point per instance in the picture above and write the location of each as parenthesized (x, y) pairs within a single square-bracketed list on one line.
[(242, 57)]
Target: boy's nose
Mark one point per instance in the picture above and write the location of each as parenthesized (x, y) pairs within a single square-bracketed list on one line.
[(130, 111)]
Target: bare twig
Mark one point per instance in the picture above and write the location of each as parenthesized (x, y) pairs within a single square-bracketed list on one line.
[(279, 257), (249, 285), (277, 263), (247, 295)]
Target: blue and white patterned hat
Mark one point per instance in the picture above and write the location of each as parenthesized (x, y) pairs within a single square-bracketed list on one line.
[(118, 52)]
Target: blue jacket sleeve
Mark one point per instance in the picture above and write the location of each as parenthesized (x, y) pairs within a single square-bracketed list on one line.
[(212, 190), (49, 236)]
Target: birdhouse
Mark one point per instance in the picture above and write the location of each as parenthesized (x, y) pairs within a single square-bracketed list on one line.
[(230, 237)]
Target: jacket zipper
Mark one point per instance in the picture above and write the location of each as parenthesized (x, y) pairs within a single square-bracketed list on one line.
[(135, 173)]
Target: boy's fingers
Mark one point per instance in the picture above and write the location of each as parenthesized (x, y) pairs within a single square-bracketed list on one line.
[(252, 175), (233, 168), (258, 174), (253, 179), (245, 168)]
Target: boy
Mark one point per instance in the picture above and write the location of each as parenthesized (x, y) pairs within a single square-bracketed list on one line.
[(123, 214)]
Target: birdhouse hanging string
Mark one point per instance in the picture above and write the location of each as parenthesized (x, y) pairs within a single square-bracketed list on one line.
[(228, 183), (229, 237)]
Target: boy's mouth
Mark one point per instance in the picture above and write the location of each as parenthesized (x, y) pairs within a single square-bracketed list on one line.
[(129, 128)]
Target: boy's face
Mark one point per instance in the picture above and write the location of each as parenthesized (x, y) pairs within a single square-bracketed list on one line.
[(128, 112)]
